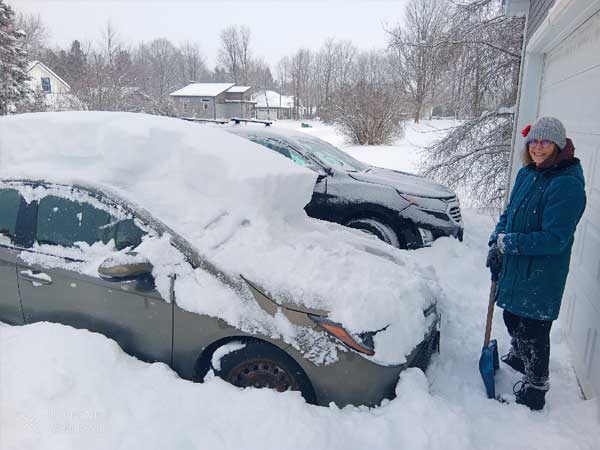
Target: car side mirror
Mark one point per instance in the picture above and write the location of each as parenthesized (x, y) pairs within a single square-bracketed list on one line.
[(122, 267)]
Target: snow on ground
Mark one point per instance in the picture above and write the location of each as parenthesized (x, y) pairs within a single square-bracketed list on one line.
[(70, 389)]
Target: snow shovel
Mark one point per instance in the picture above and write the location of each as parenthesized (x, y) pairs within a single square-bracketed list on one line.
[(488, 362)]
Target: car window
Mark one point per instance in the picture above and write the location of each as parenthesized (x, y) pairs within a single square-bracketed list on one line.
[(297, 158), (9, 208), (64, 222), (128, 234), (273, 145), (331, 155)]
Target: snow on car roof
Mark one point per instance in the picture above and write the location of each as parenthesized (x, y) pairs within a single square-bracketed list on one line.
[(241, 207)]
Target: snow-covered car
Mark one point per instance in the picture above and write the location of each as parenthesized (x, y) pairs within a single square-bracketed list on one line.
[(402, 209), (189, 246)]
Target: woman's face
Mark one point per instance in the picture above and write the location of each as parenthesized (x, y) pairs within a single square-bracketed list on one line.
[(541, 150)]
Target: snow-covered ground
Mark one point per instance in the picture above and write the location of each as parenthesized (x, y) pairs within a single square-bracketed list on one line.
[(62, 388)]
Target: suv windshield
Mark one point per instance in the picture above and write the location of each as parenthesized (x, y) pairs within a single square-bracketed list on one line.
[(331, 155)]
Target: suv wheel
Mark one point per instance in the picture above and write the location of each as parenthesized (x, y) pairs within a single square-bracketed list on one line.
[(262, 365), (377, 229)]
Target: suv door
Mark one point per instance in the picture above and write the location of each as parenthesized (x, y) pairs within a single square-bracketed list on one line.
[(59, 281), (10, 306)]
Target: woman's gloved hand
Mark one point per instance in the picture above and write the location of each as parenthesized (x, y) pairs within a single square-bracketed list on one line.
[(494, 261)]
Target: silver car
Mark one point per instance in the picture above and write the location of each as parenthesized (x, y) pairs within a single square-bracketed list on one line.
[(121, 301)]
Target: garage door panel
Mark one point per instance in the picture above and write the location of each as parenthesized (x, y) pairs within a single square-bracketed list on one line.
[(576, 54), (575, 101)]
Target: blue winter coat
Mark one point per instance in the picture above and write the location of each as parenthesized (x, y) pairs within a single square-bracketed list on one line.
[(539, 224)]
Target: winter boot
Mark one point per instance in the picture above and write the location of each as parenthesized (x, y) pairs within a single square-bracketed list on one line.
[(530, 394), (513, 360)]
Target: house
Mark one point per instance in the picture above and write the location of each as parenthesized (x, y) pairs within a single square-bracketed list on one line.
[(560, 76), (213, 101), (271, 105), (57, 91)]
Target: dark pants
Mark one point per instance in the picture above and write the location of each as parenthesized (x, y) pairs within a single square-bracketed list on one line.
[(531, 342)]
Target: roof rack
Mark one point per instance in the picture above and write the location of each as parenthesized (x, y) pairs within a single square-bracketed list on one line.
[(238, 120), (197, 119)]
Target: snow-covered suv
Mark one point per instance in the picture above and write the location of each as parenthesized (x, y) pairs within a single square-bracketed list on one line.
[(402, 209), (190, 246)]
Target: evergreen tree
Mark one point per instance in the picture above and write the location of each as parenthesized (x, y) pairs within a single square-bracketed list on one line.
[(13, 62)]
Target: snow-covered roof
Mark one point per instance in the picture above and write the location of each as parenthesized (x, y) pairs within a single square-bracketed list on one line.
[(32, 64), (241, 207), (238, 89), (202, 90), (272, 99)]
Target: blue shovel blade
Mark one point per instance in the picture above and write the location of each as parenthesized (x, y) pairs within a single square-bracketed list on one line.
[(488, 363)]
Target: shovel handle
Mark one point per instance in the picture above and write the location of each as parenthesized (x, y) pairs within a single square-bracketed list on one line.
[(490, 314)]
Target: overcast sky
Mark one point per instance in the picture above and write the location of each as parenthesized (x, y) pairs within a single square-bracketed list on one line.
[(279, 27)]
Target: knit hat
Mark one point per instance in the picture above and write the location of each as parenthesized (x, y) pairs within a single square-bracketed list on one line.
[(548, 128)]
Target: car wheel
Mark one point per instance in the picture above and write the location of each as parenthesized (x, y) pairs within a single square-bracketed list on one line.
[(262, 365), (377, 229)]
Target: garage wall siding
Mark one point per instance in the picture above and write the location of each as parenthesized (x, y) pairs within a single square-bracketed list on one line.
[(538, 10)]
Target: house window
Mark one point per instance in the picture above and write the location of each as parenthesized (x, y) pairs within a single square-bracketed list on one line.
[(205, 100), (185, 105), (205, 106), (46, 86)]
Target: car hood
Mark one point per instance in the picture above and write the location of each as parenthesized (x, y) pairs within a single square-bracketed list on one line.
[(405, 183)]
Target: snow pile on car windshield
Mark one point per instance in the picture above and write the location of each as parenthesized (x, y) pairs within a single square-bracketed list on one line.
[(242, 209)]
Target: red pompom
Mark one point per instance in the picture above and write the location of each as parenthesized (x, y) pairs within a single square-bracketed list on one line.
[(526, 130)]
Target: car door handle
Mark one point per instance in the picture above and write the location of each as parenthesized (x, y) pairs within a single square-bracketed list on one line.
[(36, 276)]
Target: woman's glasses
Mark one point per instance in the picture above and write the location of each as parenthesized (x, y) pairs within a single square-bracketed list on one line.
[(536, 142)]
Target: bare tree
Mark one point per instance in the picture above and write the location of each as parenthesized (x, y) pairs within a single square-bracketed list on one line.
[(36, 34), (369, 107), (300, 74), (192, 65), (245, 56), (474, 156), (417, 56), (345, 54)]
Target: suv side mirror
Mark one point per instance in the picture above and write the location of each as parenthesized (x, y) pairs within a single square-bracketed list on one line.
[(124, 267)]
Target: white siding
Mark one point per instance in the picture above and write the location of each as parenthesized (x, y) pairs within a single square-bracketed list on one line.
[(36, 75)]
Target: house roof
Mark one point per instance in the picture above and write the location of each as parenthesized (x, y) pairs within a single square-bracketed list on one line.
[(272, 99), (202, 90), (32, 64), (239, 89)]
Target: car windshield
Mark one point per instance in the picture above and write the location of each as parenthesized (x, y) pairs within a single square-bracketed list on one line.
[(331, 155)]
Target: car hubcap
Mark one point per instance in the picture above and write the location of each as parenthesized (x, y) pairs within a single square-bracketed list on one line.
[(261, 373)]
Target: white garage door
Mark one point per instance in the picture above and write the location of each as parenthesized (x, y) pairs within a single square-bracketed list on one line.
[(571, 91)]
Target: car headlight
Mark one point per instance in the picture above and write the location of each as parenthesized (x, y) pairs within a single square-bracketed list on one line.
[(362, 343)]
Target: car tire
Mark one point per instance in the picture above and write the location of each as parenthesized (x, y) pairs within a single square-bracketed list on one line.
[(376, 228), (262, 365)]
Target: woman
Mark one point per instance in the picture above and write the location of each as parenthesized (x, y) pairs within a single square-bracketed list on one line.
[(530, 250)]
